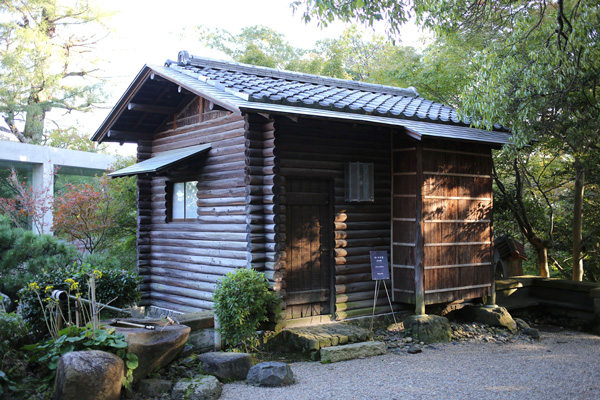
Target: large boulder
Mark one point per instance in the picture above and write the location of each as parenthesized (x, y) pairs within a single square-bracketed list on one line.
[(89, 375), (200, 388), (352, 351), (225, 366), (493, 316), (270, 374), (428, 328), (155, 348)]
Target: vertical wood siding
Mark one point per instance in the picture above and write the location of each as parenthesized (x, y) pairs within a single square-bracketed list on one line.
[(457, 221), (456, 195)]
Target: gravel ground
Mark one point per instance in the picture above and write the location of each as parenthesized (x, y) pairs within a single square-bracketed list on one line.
[(560, 365)]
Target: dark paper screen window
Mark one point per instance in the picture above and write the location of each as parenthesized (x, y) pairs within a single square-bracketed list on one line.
[(359, 182)]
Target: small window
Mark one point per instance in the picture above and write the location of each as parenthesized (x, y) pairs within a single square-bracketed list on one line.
[(183, 201), (359, 182)]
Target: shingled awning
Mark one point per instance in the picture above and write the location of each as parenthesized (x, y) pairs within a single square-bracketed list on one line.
[(162, 162)]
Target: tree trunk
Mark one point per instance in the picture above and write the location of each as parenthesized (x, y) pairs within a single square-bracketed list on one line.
[(542, 255), (34, 120), (578, 220)]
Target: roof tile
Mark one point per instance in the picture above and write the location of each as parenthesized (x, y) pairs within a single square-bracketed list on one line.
[(269, 85)]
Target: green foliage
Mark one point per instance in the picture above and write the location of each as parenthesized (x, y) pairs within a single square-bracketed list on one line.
[(123, 207), (116, 285), (393, 12), (70, 138), (257, 45), (13, 331), (48, 353), (24, 254), (241, 301), (45, 62), (5, 383)]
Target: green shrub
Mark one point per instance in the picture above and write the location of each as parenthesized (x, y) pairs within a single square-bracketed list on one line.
[(23, 254), (13, 331), (241, 301), (116, 284)]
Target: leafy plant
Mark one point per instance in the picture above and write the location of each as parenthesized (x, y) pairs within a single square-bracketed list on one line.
[(70, 339), (116, 286), (5, 383), (13, 331), (241, 301)]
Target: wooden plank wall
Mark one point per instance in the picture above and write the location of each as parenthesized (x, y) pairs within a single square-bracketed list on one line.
[(187, 258), (457, 221), (320, 149), (405, 189)]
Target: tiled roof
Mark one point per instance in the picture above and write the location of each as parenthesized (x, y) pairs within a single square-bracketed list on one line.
[(159, 92), (272, 86)]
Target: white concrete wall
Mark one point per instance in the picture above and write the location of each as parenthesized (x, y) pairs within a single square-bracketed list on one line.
[(45, 160)]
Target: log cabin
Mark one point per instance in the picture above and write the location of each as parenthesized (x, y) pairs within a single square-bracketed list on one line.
[(300, 177)]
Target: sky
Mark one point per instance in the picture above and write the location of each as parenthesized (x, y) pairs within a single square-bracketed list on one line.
[(152, 31)]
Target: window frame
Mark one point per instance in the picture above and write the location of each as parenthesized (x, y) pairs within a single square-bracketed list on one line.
[(359, 182), (171, 203)]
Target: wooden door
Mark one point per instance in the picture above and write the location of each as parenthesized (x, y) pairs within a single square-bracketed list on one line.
[(308, 247)]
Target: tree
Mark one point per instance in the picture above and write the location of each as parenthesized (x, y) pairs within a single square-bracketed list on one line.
[(23, 254), (24, 204), (100, 216), (70, 138), (256, 45), (44, 46), (82, 215)]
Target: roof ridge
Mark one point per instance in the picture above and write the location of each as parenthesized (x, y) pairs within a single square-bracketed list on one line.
[(184, 58)]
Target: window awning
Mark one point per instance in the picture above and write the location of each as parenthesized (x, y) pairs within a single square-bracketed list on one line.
[(162, 162)]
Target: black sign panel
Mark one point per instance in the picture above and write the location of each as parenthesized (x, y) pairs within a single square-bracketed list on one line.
[(379, 265)]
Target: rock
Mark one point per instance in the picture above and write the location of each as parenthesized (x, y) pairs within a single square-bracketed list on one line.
[(204, 387), (429, 328), (153, 387), (399, 327), (521, 324), (203, 340), (531, 332), (497, 316), (414, 350), (270, 374), (226, 366), (352, 351), (155, 348), (89, 375)]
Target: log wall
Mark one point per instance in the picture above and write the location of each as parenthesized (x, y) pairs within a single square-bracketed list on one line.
[(184, 259), (144, 212), (319, 149)]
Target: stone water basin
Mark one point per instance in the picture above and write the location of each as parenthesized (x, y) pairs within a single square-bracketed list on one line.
[(156, 347)]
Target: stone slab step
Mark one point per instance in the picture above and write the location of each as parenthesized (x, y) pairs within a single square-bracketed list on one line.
[(352, 351), (316, 337)]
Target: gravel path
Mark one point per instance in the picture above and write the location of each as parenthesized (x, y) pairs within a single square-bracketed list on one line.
[(561, 365)]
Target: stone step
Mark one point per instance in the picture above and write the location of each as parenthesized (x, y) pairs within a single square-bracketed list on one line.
[(352, 351), (312, 338)]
